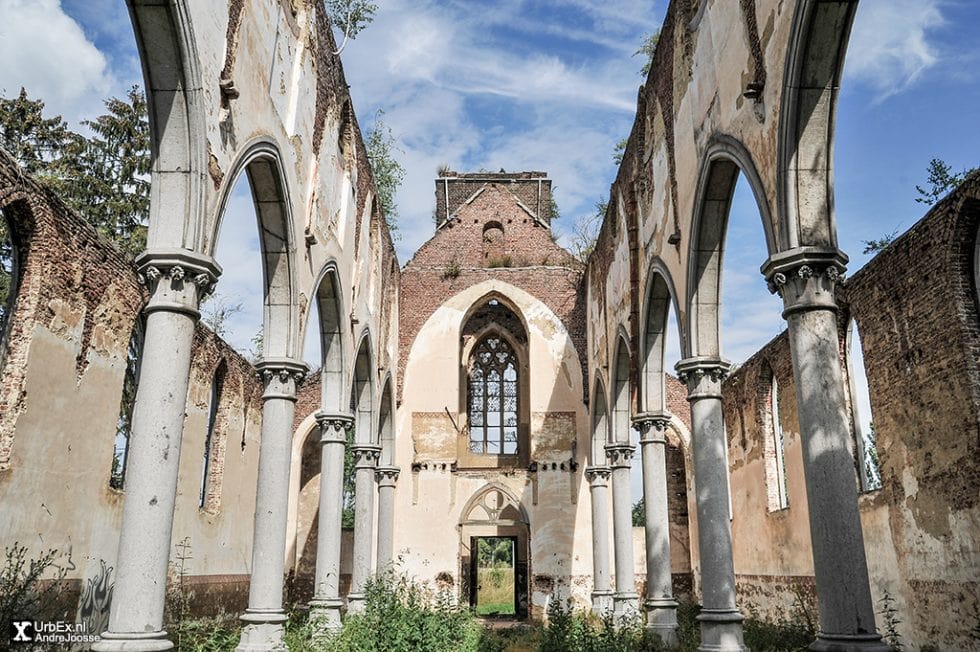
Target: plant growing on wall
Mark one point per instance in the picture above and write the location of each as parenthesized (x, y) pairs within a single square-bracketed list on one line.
[(388, 172)]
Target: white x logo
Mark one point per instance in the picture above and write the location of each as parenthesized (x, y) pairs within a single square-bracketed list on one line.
[(21, 634)]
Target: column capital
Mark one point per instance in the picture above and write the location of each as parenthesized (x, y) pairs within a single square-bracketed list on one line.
[(703, 375), (652, 426), (177, 279), (386, 476), (619, 454), (334, 426), (365, 455), (280, 376), (597, 476), (805, 277)]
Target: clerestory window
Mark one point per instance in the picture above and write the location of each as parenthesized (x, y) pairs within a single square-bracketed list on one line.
[(493, 397), (127, 404)]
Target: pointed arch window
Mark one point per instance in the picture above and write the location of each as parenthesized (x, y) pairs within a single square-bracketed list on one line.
[(217, 384), (493, 397), (780, 499), (127, 404)]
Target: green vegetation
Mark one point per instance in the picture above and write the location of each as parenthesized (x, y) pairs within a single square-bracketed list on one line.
[(388, 172), (639, 513)]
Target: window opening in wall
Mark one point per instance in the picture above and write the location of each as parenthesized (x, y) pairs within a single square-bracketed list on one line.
[(865, 436), (493, 398), (217, 385), (124, 424), (779, 446), (8, 284)]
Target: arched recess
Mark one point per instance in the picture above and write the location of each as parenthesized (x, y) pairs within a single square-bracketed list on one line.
[(178, 141), (620, 431), (10, 266), (494, 342), (724, 158), (362, 392), (494, 511), (600, 424), (805, 155), (656, 311), (280, 324), (329, 310), (386, 425)]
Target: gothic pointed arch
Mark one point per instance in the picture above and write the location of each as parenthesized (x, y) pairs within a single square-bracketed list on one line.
[(362, 391), (329, 306), (494, 503), (660, 299), (620, 400), (600, 424)]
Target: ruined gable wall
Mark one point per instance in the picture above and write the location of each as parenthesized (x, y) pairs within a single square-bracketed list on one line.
[(916, 307)]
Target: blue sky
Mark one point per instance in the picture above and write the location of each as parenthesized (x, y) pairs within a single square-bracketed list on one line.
[(551, 85)]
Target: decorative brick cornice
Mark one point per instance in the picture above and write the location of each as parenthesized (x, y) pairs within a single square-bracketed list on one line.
[(806, 278), (619, 454), (703, 376), (652, 427), (177, 279)]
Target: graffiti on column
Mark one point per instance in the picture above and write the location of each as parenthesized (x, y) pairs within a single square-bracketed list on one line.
[(93, 607)]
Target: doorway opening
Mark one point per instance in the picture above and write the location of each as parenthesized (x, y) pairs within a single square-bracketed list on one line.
[(494, 567)]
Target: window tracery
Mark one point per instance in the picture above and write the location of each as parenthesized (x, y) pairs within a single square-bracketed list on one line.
[(493, 397)]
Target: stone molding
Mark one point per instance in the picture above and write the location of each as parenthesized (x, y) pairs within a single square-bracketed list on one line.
[(177, 280), (334, 426), (598, 476), (619, 454), (386, 476), (806, 278), (366, 456), (652, 426), (280, 377), (703, 376)]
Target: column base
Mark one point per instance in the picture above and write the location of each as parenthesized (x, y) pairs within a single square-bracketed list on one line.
[(661, 619), (133, 642), (602, 603), (263, 631), (721, 631), (356, 603), (625, 605), (849, 643), (325, 615)]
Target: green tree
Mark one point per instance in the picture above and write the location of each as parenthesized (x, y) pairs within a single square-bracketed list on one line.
[(350, 484), (585, 232), (351, 16), (941, 179), (639, 513), (105, 178), (388, 172), (647, 49)]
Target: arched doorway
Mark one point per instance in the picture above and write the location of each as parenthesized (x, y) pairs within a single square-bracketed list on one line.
[(494, 552)]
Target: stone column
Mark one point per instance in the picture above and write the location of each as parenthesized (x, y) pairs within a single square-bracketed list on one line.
[(806, 279), (326, 604), (625, 599), (365, 460), (602, 602), (387, 477), (721, 622), (263, 621), (661, 608), (177, 281)]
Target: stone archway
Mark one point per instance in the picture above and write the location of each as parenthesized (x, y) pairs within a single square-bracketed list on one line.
[(494, 512)]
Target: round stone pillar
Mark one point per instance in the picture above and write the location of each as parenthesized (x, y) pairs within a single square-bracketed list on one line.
[(326, 604), (177, 281), (387, 477), (625, 599), (661, 608), (263, 621), (806, 279), (598, 477), (365, 460), (721, 622)]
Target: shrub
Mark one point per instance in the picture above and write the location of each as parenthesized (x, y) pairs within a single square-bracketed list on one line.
[(24, 595)]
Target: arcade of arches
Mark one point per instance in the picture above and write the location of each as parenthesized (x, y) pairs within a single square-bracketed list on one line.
[(494, 391)]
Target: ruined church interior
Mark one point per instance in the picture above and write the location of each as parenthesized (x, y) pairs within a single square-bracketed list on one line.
[(495, 404)]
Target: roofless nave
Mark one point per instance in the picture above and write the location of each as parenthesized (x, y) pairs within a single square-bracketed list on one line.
[(491, 385)]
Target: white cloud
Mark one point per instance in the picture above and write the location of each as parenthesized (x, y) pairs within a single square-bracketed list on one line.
[(890, 47), (47, 52)]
